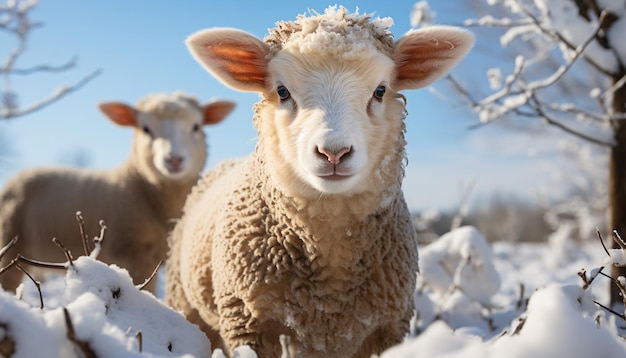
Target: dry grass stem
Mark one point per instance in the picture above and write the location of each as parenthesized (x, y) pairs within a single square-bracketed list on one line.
[(147, 281), (83, 236)]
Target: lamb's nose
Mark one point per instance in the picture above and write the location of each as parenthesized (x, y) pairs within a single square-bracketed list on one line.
[(175, 161), (334, 157)]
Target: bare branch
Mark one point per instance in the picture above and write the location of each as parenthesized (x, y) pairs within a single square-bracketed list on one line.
[(83, 236), (51, 265), (71, 335), (618, 239), (62, 92), (41, 68), (139, 337), (8, 266), (67, 252), (37, 284), (579, 51), (599, 235), (620, 315), (551, 121), (559, 37), (147, 281), (97, 241), (8, 246)]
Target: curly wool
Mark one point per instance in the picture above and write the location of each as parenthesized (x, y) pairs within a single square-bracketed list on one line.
[(334, 33), (277, 259)]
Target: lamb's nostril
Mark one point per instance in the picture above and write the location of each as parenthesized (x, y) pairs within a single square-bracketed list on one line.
[(175, 161), (334, 157)]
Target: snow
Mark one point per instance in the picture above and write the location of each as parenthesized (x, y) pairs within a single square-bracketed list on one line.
[(319, 33), (474, 299), (106, 311)]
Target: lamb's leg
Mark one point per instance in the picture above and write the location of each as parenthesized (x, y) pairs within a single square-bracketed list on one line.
[(382, 338), (238, 327)]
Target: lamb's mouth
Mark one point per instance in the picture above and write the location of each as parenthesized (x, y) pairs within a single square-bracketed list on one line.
[(335, 177)]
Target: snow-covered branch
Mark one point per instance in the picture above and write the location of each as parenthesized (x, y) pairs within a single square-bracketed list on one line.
[(531, 92)]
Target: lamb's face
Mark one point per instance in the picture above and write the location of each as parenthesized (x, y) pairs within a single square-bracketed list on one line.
[(330, 121), (172, 148), (169, 143)]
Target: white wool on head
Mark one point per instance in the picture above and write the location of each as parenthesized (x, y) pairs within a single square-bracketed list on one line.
[(169, 104), (334, 33)]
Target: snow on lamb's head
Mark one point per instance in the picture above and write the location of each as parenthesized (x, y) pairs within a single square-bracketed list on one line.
[(335, 33)]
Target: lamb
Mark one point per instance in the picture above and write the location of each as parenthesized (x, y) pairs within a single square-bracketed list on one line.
[(136, 200), (310, 236)]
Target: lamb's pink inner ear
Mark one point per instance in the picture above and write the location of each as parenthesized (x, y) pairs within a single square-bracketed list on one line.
[(216, 112), (424, 55), (235, 57), (242, 64), (120, 113)]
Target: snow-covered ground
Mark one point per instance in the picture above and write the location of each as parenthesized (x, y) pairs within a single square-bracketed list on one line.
[(473, 300)]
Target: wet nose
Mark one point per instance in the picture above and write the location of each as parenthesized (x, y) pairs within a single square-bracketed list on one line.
[(334, 156)]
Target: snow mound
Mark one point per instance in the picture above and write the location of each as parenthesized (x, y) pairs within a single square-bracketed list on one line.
[(103, 314)]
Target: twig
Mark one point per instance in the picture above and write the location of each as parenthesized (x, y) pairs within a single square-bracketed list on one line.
[(139, 337), (37, 284), (618, 239), (40, 263), (147, 281), (602, 242), (6, 247), (71, 335), (620, 315), (97, 241), (42, 68), (67, 252), (551, 121), (83, 236), (559, 37), (520, 302), (520, 325), (11, 113)]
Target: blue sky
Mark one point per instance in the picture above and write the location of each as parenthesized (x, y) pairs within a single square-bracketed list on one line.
[(139, 46)]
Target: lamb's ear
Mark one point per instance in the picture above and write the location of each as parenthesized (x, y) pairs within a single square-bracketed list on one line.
[(216, 111), (235, 57), (120, 113), (422, 56)]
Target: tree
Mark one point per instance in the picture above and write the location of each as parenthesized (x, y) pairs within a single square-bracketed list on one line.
[(15, 23), (570, 72)]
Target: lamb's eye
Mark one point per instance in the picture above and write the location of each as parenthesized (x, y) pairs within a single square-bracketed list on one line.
[(146, 130), (283, 93), (379, 92), (196, 127)]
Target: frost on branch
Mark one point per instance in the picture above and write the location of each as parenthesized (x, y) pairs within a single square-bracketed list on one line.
[(16, 27), (564, 49)]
